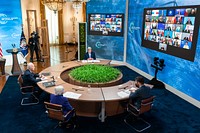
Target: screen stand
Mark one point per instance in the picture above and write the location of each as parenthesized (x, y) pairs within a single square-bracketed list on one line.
[(157, 84)]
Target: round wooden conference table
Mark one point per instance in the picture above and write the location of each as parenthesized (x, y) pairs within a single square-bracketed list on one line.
[(91, 102)]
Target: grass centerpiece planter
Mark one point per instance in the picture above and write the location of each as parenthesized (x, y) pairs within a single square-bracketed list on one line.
[(95, 76)]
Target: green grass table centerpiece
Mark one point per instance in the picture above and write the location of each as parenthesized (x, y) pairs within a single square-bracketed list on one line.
[(94, 73)]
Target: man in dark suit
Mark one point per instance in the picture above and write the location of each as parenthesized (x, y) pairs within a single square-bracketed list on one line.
[(33, 43), (59, 99), (187, 29), (31, 79), (141, 93), (169, 28), (90, 55), (189, 21)]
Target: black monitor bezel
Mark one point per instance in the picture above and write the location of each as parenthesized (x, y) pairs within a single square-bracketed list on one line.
[(99, 33), (175, 51)]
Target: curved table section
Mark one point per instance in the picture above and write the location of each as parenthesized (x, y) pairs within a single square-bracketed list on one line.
[(93, 102)]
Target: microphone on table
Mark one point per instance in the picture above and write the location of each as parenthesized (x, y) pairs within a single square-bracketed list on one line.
[(53, 78), (77, 89), (64, 66), (123, 88)]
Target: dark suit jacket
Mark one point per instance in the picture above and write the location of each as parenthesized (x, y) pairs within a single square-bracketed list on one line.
[(92, 56), (59, 99), (31, 42), (141, 93), (189, 22), (188, 31), (29, 78)]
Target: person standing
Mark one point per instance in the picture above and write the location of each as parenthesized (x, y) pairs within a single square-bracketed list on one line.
[(33, 43)]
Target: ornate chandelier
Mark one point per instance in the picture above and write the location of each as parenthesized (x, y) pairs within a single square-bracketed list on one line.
[(54, 5), (57, 5), (77, 4)]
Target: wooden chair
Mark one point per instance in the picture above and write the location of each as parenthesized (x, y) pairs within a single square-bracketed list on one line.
[(146, 105), (55, 111), (27, 90)]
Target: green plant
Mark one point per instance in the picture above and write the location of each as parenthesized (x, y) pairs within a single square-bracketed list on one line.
[(93, 73), (82, 51)]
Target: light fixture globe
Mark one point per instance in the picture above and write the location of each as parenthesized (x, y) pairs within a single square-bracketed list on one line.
[(54, 5), (77, 4)]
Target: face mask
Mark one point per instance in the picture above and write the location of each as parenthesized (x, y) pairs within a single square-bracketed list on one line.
[(137, 85)]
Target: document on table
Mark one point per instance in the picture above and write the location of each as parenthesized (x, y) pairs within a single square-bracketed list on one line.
[(123, 93), (96, 61), (45, 79), (84, 61), (133, 89), (90, 61), (72, 95)]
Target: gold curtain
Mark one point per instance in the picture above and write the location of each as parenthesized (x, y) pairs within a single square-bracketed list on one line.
[(60, 27), (60, 22), (84, 12), (42, 14)]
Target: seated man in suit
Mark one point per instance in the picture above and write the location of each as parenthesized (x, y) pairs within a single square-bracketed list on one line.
[(141, 93), (90, 55), (31, 79), (59, 99)]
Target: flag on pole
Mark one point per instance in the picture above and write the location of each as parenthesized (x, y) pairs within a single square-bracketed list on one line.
[(23, 44), (1, 51)]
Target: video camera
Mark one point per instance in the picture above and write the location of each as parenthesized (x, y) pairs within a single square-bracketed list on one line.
[(35, 35), (158, 63)]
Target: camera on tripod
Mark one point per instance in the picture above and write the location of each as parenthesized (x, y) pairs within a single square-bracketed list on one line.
[(36, 36), (158, 63)]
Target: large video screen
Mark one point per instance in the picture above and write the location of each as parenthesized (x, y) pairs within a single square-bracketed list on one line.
[(172, 30), (105, 24), (10, 25)]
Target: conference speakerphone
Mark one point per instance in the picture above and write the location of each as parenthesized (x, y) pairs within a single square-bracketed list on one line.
[(49, 84)]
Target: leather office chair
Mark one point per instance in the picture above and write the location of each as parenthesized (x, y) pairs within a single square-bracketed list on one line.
[(55, 111), (146, 105), (27, 90)]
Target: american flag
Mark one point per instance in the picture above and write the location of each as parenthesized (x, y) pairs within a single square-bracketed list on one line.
[(1, 51), (23, 44)]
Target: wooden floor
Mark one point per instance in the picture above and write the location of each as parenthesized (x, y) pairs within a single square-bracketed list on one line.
[(58, 54)]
